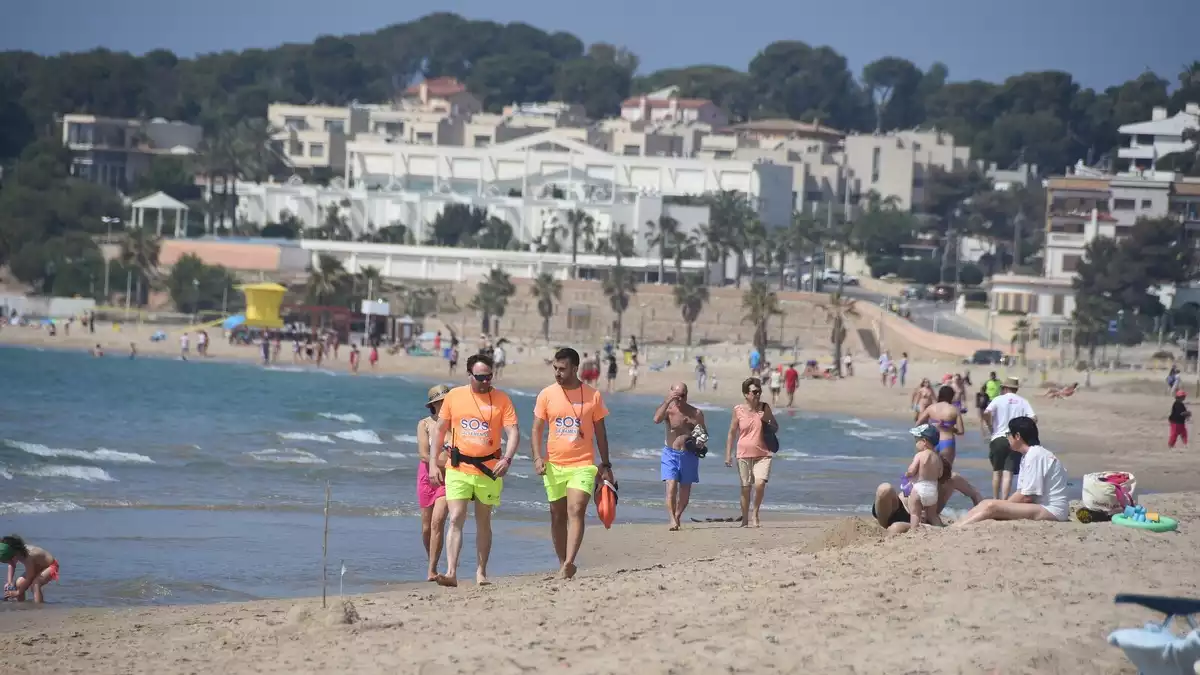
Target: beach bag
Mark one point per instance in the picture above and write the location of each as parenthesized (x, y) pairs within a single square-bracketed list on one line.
[(770, 438), (1109, 491)]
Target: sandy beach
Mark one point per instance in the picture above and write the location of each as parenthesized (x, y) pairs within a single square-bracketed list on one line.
[(810, 595)]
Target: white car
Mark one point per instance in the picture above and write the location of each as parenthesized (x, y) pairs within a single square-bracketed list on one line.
[(832, 277)]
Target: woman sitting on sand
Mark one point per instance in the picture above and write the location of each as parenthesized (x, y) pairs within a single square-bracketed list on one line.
[(746, 430), (431, 499)]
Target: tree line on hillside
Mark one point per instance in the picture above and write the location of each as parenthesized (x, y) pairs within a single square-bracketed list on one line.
[(1039, 117)]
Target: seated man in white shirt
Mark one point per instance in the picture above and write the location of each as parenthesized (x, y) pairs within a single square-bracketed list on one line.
[(1041, 492)]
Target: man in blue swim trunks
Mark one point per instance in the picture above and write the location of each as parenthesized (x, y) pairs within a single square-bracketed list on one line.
[(680, 466)]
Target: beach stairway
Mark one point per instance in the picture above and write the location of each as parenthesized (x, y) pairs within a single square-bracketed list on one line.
[(870, 346)]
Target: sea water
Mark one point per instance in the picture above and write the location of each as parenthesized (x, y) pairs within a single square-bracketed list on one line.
[(158, 480)]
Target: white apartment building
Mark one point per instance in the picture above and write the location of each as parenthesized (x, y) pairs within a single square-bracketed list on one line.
[(531, 183), (114, 151), (1160, 136)]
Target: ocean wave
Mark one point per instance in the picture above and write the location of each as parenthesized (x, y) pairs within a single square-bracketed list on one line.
[(522, 394), (304, 436), (5, 474), (349, 418), (360, 436), (708, 407), (38, 506), (853, 422), (90, 474), (643, 453), (288, 369), (98, 455), (285, 456), (880, 435), (405, 438), (790, 453), (376, 453)]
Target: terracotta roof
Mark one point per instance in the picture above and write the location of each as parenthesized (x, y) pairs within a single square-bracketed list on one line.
[(1075, 183), (1187, 188), (438, 86), (684, 103), (786, 126)]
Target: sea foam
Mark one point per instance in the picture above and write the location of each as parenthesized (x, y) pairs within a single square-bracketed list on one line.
[(304, 436), (349, 418), (285, 456), (38, 506), (90, 474), (360, 436), (98, 455)]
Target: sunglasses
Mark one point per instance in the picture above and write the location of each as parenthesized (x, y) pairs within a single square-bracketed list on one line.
[(484, 377), (754, 391)]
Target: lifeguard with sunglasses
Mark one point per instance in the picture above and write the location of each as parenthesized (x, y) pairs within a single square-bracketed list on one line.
[(470, 425)]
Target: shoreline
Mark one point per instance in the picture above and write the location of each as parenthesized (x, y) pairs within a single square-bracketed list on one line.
[(784, 594)]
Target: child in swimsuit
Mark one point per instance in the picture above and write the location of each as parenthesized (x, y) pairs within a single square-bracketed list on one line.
[(924, 471), (40, 569)]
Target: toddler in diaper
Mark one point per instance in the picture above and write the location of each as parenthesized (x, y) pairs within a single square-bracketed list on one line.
[(924, 471)]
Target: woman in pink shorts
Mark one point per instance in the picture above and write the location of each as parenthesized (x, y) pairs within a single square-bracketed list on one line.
[(432, 500)]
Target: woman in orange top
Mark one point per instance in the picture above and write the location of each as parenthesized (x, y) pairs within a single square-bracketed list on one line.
[(753, 456)]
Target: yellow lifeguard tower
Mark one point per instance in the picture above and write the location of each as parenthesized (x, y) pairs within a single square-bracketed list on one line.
[(262, 305)]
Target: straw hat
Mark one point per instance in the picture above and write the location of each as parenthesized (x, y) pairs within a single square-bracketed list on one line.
[(436, 393), (1011, 383)]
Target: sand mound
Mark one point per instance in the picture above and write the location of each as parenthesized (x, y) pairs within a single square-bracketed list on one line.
[(845, 533)]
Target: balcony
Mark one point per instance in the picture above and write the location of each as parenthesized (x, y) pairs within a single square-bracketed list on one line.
[(1137, 152), (1080, 215), (1064, 239)]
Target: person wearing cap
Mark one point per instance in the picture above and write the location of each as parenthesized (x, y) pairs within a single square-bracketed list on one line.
[(1005, 463), (1178, 420), (568, 434), (925, 472), (471, 423), (431, 498), (1041, 492)]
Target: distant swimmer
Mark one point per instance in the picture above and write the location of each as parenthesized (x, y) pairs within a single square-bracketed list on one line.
[(132, 351), (472, 419), (40, 569), (686, 442), (355, 355), (265, 348), (97, 351), (568, 432)]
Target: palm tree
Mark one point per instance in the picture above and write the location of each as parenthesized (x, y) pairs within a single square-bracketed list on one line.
[(659, 236), (579, 223), (241, 151), (491, 297), (1023, 332), (548, 291), (139, 253), (729, 215), (325, 279), (836, 311), (690, 297), (760, 304), (803, 234), (682, 245), (754, 238), (620, 244), (618, 286), (713, 249)]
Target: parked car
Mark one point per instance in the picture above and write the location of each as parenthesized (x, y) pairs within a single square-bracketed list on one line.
[(943, 292), (832, 276), (915, 292), (987, 357)]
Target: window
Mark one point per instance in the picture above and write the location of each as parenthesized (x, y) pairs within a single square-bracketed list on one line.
[(80, 133), (295, 123), (875, 155), (425, 137), (722, 154), (1032, 306), (631, 150), (335, 125), (1067, 228), (1147, 204), (295, 148), (316, 149), (1123, 204), (1070, 263), (1123, 230), (482, 141), (1057, 304), (579, 318)]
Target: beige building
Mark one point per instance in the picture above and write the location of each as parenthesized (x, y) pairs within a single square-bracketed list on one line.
[(440, 95), (665, 105), (314, 136), (115, 151)]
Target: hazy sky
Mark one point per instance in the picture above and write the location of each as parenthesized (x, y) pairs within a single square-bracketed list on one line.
[(1101, 42)]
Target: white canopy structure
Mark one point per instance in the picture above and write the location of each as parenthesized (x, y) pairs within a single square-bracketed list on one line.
[(161, 202)]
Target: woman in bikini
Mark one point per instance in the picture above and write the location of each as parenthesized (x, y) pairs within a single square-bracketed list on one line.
[(431, 499), (948, 419)]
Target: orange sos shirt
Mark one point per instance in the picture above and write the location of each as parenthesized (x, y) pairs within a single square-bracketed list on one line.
[(571, 416), (477, 422)]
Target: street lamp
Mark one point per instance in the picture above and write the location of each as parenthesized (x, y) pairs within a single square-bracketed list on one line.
[(109, 222), (195, 299), (1120, 320)]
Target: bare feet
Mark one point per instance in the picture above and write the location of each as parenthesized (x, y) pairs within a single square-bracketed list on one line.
[(568, 571), (754, 522), (447, 581), (481, 578), (742, 522)]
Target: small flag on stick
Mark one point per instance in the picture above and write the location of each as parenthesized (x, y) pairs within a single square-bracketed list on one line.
[(341, 578)]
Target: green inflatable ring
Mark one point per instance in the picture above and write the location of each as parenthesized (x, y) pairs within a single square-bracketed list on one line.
[(1164, 523)]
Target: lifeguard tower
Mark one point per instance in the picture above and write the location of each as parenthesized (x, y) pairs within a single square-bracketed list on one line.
[(262, 305)]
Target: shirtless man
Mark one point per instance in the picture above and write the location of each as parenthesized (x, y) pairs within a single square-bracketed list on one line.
[(922, 398), (680, 466)]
